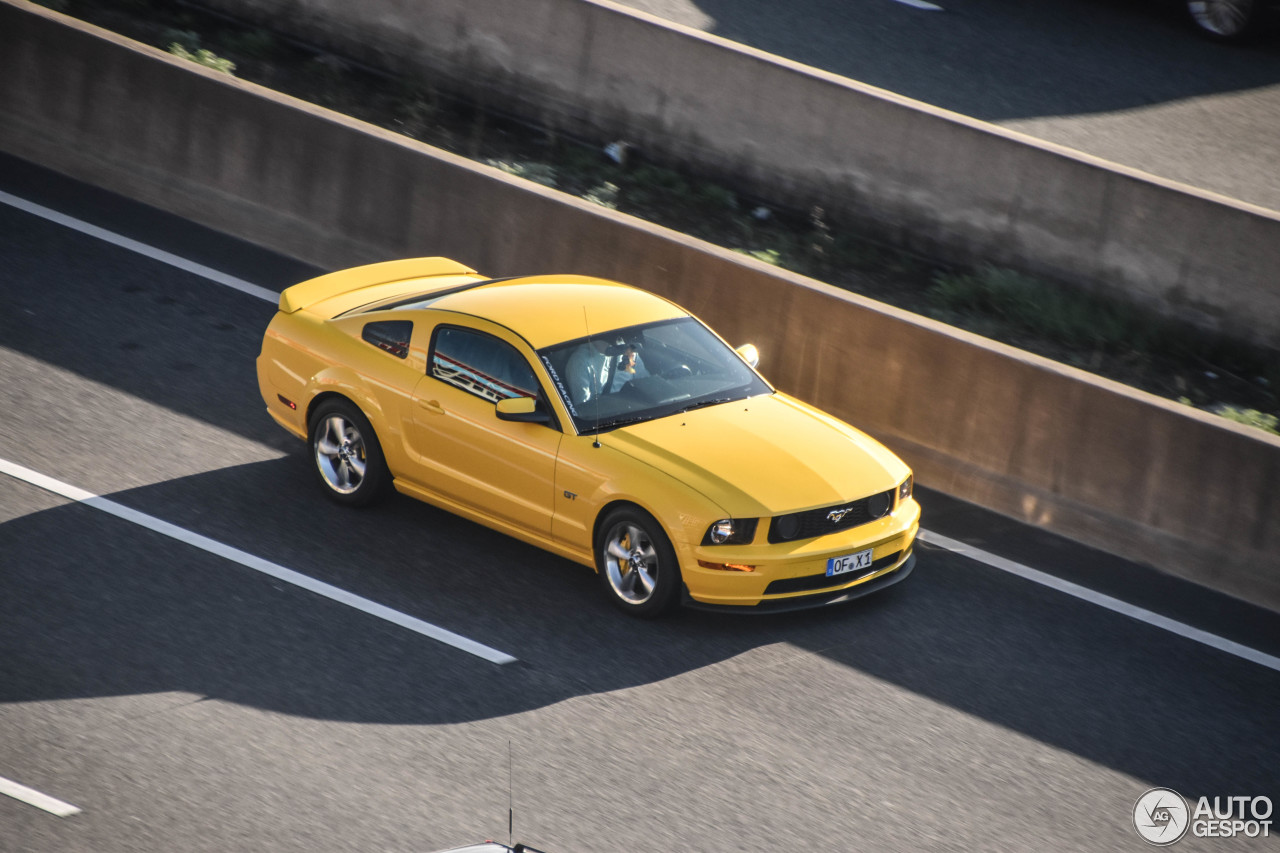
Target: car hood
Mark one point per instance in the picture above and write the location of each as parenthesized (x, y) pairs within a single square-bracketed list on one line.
[(763, 456)]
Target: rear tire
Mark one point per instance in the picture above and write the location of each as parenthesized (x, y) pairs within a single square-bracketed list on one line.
[(636, 563), (345, 454)]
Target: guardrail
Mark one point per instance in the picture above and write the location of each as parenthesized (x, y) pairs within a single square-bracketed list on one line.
[(1119, 469)]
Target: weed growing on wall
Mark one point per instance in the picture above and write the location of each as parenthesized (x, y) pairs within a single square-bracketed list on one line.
[(1251, 417), (204, 57)]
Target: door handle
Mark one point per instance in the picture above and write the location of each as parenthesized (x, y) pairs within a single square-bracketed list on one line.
[(432, 406)]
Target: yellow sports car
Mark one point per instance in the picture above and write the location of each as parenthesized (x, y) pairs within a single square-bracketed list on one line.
[(593, 419)]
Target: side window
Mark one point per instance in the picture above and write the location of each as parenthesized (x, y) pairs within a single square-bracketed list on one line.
[(481, 364), (389, 335)]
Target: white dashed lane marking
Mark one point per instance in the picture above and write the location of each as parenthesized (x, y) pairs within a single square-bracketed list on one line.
[(141, 248), (1101, 600), (32, 797), (258, 564)]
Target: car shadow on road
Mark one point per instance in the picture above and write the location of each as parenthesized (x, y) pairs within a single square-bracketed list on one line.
[(91, 606)]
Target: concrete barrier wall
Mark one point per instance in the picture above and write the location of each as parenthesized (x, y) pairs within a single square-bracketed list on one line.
[(1122, 470), (918, 176)]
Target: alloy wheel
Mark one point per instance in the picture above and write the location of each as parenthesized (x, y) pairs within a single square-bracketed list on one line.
[(631, 563), (340, 454)]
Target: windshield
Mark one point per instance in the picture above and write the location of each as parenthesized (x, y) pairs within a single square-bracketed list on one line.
[(639, 373)]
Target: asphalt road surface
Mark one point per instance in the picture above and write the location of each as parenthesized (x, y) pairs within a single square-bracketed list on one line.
[(185, 701), (1125, 80)]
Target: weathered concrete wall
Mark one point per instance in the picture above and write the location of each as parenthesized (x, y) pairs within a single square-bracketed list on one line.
[(1121, 470), (919, 176)]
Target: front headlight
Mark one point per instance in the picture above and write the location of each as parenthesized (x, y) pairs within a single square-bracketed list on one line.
[(731, 531), (904, 490)]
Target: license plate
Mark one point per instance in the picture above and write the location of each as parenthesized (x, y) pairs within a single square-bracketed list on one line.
[(849, 563)]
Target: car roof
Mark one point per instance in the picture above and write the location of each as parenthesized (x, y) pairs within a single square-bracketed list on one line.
[(547, 310)]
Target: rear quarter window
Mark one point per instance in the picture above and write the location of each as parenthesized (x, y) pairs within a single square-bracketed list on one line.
[(389, 336)]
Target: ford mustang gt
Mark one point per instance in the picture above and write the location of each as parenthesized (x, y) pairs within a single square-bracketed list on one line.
[(592, 419)]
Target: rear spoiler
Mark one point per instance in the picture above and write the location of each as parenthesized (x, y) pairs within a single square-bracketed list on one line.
[(324, 287)]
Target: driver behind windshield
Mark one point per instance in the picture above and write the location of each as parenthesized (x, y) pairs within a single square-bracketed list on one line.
[(598, 367), (630, 366)]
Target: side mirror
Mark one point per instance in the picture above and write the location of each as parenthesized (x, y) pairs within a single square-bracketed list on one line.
[(522, 409), (749, 354)]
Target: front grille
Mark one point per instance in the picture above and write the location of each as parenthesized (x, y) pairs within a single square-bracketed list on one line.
[(810, 582), (816, 522)]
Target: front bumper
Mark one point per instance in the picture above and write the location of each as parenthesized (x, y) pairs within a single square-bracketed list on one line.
[(791, 576), (840, 595)]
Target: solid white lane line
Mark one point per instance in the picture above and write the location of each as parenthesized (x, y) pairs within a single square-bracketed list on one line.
[(141, 248), (32, 797), (921, 4), (1093, 597), (258, 564)]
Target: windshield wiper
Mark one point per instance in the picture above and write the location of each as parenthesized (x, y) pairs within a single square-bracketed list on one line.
[(701, 403), (605, 426)]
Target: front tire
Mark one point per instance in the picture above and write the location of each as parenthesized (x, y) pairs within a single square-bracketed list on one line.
[(345, 454), (636, 563)]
